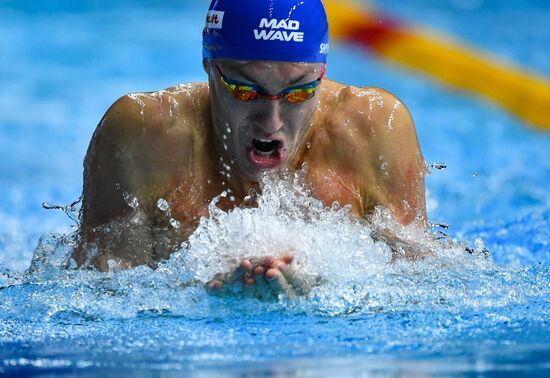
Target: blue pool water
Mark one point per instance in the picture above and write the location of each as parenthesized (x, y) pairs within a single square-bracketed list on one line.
[(62, 63)]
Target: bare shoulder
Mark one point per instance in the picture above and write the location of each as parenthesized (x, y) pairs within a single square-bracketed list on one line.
[(372, 131), (376, 111), (145, 113), (140, 143)]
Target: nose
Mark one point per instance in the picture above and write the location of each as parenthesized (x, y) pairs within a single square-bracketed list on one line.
[(268, 118)]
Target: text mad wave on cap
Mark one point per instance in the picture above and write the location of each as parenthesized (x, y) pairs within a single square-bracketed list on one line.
[(277, 30)]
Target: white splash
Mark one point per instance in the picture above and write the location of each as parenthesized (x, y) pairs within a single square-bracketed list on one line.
[(358, 271)]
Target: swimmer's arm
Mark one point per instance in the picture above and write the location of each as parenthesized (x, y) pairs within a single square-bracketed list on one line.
[(401, 178), (110, 228), (401, 181)]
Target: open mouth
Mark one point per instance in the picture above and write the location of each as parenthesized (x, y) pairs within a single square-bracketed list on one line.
[(266, 153), (265, 147)]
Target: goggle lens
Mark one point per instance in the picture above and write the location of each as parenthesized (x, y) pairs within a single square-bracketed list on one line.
[(300, 95), (245, 92)]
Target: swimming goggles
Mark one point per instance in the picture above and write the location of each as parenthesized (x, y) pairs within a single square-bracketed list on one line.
[(249, 92)]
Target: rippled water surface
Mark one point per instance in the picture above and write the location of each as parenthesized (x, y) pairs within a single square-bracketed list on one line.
[(453, 313)]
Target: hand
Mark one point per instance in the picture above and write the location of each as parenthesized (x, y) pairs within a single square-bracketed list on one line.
[(264, 278)]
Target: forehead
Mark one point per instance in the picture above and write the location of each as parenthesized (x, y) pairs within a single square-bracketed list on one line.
[(260, 70)]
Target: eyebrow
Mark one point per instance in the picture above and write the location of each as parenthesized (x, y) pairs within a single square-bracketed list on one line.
[(252, 81)]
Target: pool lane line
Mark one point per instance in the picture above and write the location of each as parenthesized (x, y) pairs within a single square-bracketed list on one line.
[(524, 94)]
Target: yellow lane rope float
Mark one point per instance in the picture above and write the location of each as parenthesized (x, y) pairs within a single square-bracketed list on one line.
[(524, 94)]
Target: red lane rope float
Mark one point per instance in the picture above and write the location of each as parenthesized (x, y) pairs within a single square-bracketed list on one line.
[(524, 94)]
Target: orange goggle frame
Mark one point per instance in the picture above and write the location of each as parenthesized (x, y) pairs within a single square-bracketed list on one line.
[(248, 92)]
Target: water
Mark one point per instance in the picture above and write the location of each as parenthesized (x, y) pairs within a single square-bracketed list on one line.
[(455, 313)]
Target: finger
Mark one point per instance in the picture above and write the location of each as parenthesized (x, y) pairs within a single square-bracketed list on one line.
[(239, 272), (259, 271), (287, 259), (279, 265), (214, 287), (278, 283), (268, 261), (249, 288), (262, 288), (301, 281)]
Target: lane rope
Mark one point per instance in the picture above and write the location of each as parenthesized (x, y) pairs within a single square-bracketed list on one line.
[(522, 93)]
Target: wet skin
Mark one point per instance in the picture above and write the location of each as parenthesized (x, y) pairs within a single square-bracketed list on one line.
[(189, 143)]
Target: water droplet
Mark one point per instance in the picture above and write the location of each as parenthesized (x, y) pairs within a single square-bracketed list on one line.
[(163, 205), (232, 199), (438, 165), (308, 145), (224, 194), (175, 223), (130, 200), (335, 206)]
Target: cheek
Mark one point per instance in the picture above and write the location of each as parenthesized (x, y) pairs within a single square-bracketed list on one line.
[(229, 116), (236, 127), (300, 119)]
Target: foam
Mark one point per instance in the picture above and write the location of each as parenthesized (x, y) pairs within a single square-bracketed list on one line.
[(358, 273)]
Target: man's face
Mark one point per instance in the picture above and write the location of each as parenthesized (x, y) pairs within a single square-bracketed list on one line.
[(262, 134)]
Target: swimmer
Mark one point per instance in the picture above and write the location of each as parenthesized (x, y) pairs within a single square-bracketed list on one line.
[(267, 107)]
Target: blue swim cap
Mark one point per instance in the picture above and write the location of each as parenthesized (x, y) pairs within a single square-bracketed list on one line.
[(278, 30)]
